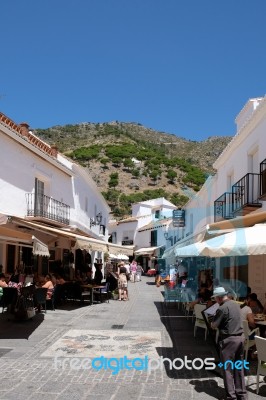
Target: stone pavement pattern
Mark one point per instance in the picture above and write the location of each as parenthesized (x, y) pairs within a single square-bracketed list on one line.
[(27, 351)]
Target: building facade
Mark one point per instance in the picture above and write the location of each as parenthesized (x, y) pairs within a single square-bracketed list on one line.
[(48, 205), (234, 198)]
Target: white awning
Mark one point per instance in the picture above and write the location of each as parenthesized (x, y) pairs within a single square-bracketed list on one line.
[(8, 234), (192, 250), (39, 248), (116, 249), (89, 244), (146, 250), (122, 257), (241, 242), (169, 254), (82, 242), (245, 221)]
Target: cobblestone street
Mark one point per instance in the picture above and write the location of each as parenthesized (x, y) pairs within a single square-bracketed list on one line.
[(139, 327)]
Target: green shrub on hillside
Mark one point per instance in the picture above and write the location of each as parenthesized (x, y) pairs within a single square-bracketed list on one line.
[(86, 153)]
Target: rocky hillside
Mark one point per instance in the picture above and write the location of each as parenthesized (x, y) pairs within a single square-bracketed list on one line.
[(130, 162)]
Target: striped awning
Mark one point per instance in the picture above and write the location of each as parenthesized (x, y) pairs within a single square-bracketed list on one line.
[(39, 248)]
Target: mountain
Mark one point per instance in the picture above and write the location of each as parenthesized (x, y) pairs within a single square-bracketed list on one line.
[(130, 162)]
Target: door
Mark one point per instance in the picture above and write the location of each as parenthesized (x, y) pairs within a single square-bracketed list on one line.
[(39, 198)]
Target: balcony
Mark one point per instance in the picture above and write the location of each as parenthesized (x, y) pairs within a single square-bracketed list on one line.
[(223, 207), (263, 180), (45, 207), (246, 194)]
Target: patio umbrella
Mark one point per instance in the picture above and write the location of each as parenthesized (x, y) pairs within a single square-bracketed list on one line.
[(192, 250), (244, 241)]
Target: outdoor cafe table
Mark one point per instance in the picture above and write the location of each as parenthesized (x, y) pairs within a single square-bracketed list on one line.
[(91, 287)]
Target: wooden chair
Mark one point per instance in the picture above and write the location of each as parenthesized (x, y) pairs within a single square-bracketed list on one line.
[(261, 352)]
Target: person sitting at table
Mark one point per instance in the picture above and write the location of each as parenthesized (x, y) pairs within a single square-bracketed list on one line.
[(247, 314), (15, 276), (3, 284), (88, 279), (49, 285), (60, 280), (255, 304), (3, 281)]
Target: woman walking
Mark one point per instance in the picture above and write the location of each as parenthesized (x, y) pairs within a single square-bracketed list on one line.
[(122, 282)]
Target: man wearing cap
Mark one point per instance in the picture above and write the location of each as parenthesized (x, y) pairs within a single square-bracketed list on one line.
[(229, 322)]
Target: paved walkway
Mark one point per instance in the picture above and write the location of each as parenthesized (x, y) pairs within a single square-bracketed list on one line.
[(142, 326)]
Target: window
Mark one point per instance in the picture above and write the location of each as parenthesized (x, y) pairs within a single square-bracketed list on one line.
[(157, 214), (86, 204), (153, 238), (191, 224), (112, 238), (102, 230)]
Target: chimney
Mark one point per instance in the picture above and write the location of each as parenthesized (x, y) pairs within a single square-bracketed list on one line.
[(24, 129), (54, 150)]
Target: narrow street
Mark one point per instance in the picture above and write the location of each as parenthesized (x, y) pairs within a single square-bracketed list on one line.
[(142, 326)]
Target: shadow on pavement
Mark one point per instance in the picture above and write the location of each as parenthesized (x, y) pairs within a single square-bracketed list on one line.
[(209, 387), (180, 329), (13, 329)]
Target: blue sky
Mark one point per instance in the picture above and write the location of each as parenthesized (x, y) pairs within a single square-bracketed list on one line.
[(184, 67)]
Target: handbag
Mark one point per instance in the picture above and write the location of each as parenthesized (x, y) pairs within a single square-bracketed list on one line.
[(30, 312)]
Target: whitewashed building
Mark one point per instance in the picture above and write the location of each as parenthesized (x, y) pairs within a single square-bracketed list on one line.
[(144, 229), (49, 205), (234, 198)]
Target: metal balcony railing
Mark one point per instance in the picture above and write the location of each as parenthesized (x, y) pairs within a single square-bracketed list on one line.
[(223, 207), (263, 180), (47, 207), (246, 193)]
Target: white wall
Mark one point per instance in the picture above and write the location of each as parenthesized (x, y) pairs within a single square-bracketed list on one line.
[(19, 168), (84, 188), (21, 162), (248, 144)]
